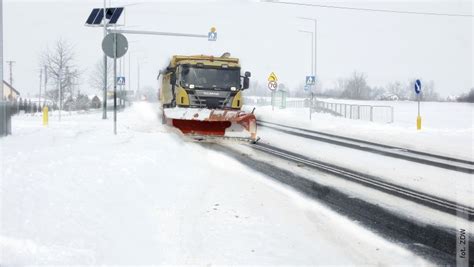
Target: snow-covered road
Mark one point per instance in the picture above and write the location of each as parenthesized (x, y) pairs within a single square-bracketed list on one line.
[(72, 193)]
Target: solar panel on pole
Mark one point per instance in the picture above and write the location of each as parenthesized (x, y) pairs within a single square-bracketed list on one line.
[(92, 16), (110, 11), (97, 15), (98, 19), (116, 15)]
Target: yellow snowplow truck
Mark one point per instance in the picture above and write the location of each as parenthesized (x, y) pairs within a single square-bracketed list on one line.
[(202, 97)]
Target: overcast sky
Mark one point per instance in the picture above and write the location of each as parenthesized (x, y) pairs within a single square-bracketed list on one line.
[(387, 47)]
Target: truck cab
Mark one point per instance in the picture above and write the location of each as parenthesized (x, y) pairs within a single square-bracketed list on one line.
[(203, 82)]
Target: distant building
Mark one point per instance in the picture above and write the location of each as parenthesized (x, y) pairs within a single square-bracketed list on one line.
[(9, 92)]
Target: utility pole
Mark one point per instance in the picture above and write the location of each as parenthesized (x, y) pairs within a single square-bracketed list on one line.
[(3, 112), (104, 102), (10, 64), (2, 94), (129, 73)]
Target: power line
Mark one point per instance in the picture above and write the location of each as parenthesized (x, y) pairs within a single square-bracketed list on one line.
[(371, 9)]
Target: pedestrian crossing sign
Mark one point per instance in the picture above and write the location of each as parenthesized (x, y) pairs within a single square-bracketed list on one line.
[(121, 80)]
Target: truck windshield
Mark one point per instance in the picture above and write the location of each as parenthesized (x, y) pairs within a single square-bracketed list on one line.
[(210, 78)]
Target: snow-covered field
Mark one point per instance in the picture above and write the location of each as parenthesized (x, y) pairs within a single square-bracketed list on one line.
[(447, 128), (73, 193)]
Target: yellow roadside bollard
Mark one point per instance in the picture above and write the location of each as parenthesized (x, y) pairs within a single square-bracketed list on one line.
[(45, 116), (418, 123)]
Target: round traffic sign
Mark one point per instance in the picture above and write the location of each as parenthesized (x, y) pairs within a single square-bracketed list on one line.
[(117, 42), (272, 85)]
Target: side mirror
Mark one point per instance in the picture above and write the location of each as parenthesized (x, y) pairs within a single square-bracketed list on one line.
[(173, 79), (161, 72), (248, 74), (246, 84)]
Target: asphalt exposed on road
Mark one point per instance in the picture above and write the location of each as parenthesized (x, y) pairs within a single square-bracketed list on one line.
[(385, 150), (431, 242)]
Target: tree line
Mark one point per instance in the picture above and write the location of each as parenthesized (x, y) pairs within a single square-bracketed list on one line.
[(356, 87), (60, 73)]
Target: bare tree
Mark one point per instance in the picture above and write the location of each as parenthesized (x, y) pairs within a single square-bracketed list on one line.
[(61, 69), (397, 89), (356, 87), (97, 76), (428, 92)]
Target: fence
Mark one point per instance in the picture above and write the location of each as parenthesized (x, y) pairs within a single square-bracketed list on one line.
[(5, 118), (374, 113)]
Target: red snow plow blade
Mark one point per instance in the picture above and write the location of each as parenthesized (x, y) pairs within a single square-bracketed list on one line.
[(202, 123)]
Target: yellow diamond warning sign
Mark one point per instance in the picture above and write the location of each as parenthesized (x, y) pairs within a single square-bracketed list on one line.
[(272, 77)]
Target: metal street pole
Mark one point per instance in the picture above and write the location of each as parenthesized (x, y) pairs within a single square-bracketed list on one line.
[(115, 84), (312, 73), (129, 75), (2, 94), (104, 102), (138, 76), (312, 52), (159, 33), (45, 83), (314, 56), (3, 118), (315, 41), (60, 95)]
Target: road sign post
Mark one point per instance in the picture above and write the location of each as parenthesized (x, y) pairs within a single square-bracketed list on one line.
[(273, 86), (212, 35), (121, 80), (115, 45), (418, 96), (310, 82)]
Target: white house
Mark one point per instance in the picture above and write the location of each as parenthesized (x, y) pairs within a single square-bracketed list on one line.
[(9, 92)]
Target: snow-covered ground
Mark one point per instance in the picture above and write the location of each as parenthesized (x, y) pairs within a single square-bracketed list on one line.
[(73, 193), (447, 128), (451, 185)]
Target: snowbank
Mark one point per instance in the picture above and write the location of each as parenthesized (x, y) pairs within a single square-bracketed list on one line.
[(73, 193)]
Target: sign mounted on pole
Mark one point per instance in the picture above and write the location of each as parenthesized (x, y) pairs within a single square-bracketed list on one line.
[(121, 80), (417, 87), (272, 77), (272, 86), (307, 88), (418, 91), (115, 45), (121, 45), (272, 82), (212, 35), (310, 80)]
